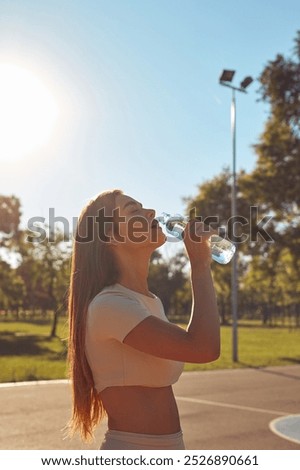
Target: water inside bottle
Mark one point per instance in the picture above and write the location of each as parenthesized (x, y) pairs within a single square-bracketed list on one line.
[(221, 249), (175, 227)]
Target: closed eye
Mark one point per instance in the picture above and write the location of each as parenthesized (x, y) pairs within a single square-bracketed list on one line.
[(136, 207)]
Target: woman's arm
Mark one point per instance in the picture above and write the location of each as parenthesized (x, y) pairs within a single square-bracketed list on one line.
[(201, 341)]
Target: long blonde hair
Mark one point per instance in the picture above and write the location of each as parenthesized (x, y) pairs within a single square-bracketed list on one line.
[(93, 267)]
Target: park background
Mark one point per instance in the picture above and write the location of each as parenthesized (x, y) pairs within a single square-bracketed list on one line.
[(100, 94)]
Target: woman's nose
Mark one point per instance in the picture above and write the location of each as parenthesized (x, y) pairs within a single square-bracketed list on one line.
[(150, 213)]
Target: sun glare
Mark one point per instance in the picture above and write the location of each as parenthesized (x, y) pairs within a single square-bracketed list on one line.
[(28, 112)]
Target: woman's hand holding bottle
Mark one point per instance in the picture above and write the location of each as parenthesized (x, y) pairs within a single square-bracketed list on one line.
[(221, 250), (196, 237)]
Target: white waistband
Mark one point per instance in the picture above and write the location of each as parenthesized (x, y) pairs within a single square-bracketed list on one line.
[(154, 441)]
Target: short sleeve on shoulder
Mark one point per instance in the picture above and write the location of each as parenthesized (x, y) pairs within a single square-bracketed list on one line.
[(114, 315)]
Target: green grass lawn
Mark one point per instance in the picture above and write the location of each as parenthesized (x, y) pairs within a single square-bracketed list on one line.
[(27, 353), (257, 347)]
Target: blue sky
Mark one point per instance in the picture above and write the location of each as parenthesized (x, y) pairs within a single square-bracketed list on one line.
[(136, 84)]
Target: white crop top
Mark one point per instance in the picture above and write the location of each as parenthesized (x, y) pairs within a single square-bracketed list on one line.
[(112, 314)]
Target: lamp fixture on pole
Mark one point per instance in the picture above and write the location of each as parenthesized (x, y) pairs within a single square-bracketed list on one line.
[(225, 80)]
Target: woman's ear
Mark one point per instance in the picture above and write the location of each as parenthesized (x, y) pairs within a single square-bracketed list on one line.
[(112, 238), (112, 241)]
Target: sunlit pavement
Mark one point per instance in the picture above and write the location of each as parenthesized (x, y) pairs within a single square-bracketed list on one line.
[(227, 409)]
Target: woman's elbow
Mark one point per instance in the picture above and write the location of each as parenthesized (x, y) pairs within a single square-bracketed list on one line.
[(211, 354), (214, 356)]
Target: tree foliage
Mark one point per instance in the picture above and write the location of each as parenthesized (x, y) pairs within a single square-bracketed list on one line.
[(10, 214), (277, 172)]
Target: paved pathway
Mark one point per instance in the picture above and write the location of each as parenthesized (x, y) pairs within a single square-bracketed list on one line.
[(225, 410)]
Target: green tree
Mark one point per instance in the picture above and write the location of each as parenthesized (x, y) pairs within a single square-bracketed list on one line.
[(212, 200), (276, 177), (213, 205), (277, 173), (44, 268), (258, 286), (12, 288), (10, 215)]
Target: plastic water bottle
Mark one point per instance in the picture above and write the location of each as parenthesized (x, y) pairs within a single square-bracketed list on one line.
[(222, 250)]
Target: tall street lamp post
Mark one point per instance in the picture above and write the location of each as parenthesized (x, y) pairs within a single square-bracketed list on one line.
[(226, 79)]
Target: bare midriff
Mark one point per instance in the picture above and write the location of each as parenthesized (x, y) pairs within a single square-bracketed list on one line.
[(143, 410)]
